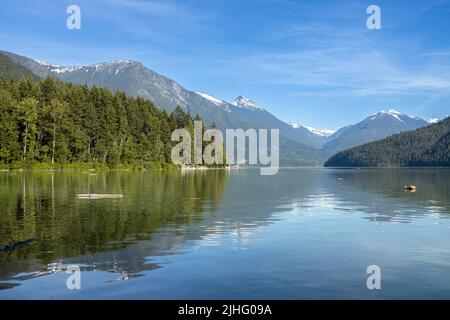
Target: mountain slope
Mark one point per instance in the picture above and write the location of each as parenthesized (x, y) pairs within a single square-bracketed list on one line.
[(375, 127), (428, 146), (11, 70)]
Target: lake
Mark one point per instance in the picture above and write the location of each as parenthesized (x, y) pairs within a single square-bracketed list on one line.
[(306, 233)]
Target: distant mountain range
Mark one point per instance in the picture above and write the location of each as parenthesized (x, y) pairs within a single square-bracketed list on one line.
[(428, 146), (374, 127), (299, 144)]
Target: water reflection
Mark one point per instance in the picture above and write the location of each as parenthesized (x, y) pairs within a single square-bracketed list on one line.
[(169, 213), (380, 192), (44, 205)]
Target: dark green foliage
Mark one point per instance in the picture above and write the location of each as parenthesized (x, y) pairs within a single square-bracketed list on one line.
[(428, 146), (60, 123), (42, 205), (11, 70)]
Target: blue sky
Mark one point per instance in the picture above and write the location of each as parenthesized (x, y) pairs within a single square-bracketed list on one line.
[(311, 62)]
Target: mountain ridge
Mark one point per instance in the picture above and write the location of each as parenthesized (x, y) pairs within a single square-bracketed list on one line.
[(375, 127)]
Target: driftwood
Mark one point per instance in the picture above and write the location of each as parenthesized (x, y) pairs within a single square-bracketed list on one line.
[(94, 196)]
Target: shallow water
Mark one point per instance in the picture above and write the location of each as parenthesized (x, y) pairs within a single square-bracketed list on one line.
[(303, 234)]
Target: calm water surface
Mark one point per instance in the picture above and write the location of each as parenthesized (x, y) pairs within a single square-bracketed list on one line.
[(303, 234)]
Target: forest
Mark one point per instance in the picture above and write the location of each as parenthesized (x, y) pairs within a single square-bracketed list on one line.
[(51, 124), (425, 147)]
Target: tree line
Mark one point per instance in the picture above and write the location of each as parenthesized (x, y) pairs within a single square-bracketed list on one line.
[(51, 123)]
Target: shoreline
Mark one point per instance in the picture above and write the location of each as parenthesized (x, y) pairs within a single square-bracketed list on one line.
[(188, 169), (104, 169)]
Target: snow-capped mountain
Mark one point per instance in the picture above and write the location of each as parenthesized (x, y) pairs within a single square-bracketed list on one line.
[(394, 113), (375, 127), (397, 115)]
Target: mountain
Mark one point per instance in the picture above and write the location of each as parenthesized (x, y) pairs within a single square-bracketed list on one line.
[(246, 109), (298, 146), (428, 146), (11, 70), (375, 127), (137, 80)]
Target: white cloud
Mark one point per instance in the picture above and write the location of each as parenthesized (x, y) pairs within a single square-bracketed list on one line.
[(343, 62)]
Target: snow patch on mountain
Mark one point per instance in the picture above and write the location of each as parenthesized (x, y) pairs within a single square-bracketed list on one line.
[(433, 120), (246, 103), (216, 101), (118, 64), (394, 113), (115, 63), (64, 69), (321, 133), (46, 64), (294, 125)]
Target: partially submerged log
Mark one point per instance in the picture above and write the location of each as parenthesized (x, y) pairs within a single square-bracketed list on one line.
[(17, 245), (96, 196)]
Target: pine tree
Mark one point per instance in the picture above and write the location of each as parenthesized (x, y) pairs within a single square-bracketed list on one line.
[(27, 116)]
